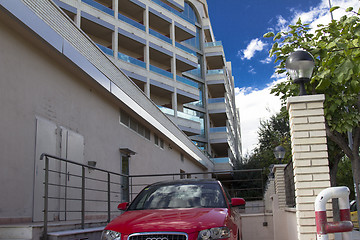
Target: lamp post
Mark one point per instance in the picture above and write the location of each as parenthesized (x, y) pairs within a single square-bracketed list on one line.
[(279, 153), (300, 65)]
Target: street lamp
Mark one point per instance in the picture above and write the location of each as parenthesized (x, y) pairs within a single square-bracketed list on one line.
[(279, 153), (300, 65)]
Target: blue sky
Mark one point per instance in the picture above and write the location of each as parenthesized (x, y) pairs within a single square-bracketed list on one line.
[(246, 22), (240, 25)]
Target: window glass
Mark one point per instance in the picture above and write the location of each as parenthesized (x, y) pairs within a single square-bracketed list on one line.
[(124, 118), (156, 139), (164, 196), (133, 124)]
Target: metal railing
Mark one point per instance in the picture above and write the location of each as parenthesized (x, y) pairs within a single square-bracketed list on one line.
[(78, 192), (289, 185), (99, 190)]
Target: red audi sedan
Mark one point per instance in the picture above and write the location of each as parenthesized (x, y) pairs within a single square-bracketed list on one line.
[(178, 210)]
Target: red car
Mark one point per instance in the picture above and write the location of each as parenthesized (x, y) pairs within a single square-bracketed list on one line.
[(178, 210)]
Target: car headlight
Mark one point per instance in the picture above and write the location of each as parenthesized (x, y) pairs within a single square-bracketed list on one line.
[(110, 235), (214, 233)]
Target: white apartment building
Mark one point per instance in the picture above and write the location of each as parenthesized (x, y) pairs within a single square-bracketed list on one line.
[(168, 49)]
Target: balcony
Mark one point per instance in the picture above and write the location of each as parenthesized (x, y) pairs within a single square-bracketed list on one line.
[(217, 111), (195, 72), (218, 135), (223, 164), (174, 11), (104, 6), (184, 48), (161, 71), (190, 124), (159, 23), (214, 53), (132, 12), (130, 21), (99, 31), (187, 81), (207, 29), (131, 60), (216, 80), (160, 36), (106, 50)]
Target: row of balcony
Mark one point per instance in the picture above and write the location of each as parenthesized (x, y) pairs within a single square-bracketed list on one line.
[(153, 68), (215, 64), (172, 10), (138, 25), (214, 50)]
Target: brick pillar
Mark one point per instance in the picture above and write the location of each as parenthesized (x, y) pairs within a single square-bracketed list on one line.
[(310, 158), (280, 184)]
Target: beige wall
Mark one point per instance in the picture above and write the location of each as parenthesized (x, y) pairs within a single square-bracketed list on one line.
[(37, 82), (253, 227), (285, 226)]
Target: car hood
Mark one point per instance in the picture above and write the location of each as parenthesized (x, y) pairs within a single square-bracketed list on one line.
[(169, 220)]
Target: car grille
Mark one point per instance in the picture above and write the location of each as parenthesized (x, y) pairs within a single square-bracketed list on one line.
[(158, 236)]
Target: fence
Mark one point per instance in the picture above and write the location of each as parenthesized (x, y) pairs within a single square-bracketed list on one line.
[(78, 192), (289, 185)]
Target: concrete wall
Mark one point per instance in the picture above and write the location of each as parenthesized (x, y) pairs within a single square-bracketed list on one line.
[(257, 226), (284, 219), (37, 82)]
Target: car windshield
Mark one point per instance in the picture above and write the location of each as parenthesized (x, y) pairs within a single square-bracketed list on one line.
[(192, 195)]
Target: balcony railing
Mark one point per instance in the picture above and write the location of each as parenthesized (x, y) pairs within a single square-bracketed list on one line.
[(196, 72), (187, 81), (161, 71), (160, 36), (131, 22), (99, 6), (218, 129), (215, 72), (170, 9), (216, 100), (186, 49), (222, 160), (188, 116), (106, 50), (213, 44), (131, 60), (167, 111)]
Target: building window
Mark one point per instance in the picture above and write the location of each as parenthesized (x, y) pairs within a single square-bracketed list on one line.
[(147, 134), (182, 174), (161, 143), (124, 118), (156, 139), (134, 125)]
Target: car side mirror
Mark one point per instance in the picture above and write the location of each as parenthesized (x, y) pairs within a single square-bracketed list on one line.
[(238, 202), (123, 206)]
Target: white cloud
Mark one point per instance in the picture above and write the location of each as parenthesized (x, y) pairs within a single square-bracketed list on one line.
[(266, 60), (281, 23), (254, 105), (252, 70), (255, 45), (320, 14)]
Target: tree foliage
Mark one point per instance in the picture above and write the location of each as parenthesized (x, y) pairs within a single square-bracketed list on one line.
[(336, 50), (272, 133)]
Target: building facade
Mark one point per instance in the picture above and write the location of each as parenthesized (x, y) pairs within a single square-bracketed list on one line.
[(169, 51), (134, 86)]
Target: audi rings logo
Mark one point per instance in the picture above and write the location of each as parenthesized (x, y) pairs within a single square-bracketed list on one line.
[(157, 238)]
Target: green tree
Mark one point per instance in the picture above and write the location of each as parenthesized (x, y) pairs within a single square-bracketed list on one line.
[(272, 133), (336, 49)]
